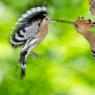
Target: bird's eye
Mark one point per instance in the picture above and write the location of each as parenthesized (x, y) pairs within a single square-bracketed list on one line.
[(76, 25), (46, 18)]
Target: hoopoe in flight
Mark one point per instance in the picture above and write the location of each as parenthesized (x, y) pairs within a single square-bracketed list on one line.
[(29, 31)]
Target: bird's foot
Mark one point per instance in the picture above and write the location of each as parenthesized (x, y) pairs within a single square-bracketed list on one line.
[(35, 55)]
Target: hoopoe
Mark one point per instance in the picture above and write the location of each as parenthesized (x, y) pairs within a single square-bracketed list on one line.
[(29, 31), (85, 27)]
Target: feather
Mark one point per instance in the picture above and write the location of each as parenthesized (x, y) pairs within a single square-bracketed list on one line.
[(27, 25), (92, 7)]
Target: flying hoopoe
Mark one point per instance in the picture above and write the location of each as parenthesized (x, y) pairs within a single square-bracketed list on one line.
[(29, 31)]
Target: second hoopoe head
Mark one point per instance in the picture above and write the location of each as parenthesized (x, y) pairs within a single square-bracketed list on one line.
[(82, 25), (86, 28)]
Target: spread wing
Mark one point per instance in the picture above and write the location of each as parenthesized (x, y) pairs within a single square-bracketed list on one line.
[(92, 7), (27, 25)]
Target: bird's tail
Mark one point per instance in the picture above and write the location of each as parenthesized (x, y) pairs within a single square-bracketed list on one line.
[(23, 63)]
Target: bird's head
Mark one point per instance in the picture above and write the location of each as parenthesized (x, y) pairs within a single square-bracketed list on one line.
[(82, 25), (46, 20)]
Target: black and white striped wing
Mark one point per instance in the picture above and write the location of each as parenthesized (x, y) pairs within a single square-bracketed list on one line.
[(27, 26), (93, 53), (32, 30), (92, 6)]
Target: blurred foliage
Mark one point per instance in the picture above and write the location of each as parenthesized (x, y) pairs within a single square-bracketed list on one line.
[(66, 66), (92, 30)]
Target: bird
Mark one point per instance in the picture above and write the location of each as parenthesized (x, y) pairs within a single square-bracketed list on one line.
[(29, 31), (86, 27)]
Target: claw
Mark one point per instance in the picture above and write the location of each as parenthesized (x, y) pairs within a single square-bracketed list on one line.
[(35, 55)]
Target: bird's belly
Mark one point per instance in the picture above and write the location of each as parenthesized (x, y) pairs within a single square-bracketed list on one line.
[(42, 35)]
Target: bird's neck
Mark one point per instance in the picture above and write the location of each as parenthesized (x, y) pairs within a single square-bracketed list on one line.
[(43, 30), (90, 37)]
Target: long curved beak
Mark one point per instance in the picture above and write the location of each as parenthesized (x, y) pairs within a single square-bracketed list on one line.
[(63, 21)]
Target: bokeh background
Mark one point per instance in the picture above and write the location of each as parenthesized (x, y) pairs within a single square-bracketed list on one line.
[(66, 66)]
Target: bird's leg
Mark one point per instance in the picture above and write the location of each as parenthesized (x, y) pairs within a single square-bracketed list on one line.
[(35, 55), (30, 45)]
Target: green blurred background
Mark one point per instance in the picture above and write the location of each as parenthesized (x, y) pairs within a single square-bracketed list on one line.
[(66, 66)]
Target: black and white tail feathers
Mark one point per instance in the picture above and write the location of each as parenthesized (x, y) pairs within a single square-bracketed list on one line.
[(93, 53)]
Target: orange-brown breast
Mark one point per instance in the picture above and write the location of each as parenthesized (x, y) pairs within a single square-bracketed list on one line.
[(43, 30)]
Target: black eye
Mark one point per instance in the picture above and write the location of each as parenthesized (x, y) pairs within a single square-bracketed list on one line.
[(46, 19), (76, 25)]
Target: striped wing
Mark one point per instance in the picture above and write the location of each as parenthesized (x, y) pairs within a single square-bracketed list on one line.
[(92, 6), (27, 25)]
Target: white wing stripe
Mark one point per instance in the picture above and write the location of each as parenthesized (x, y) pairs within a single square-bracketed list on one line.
[(38, 8), (44, 8), (19, 38), (15, 43), (22, 33), (24, 15), (29, 12)]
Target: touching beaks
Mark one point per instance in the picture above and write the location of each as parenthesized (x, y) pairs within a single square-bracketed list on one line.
[(89, 20), (62, 21)]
